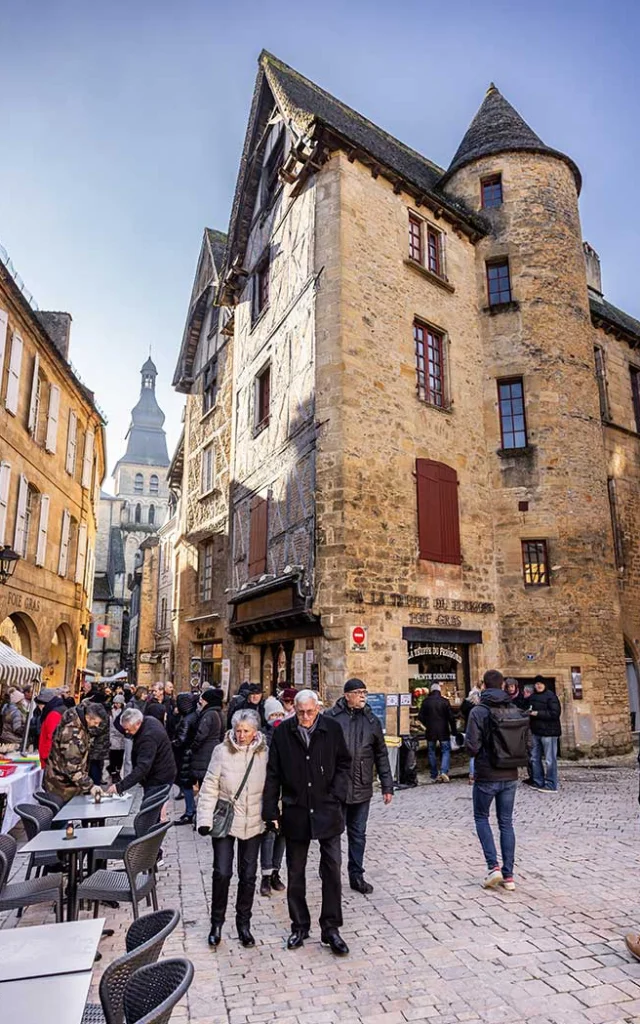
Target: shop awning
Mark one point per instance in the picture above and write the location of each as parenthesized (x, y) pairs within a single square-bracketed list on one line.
[(15, 669), (276, 604)]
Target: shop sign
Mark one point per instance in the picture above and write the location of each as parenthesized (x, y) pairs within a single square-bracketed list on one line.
[(435, 677), (315, 677), (149, 657), (30, 604), (438, 604), (359, 639), (298, 668), (378, 704), (103, 631), (433, 651)]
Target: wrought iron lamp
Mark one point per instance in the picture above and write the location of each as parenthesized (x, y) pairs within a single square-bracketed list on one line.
[(8, 561)]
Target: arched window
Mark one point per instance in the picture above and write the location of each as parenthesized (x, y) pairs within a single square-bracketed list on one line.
[(154, 484), (138, 514), (138, 485), (152, 515)]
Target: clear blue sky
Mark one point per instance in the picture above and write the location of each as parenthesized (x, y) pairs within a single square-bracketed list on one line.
[(122, 125)]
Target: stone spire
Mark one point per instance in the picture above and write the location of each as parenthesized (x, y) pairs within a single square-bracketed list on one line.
[(146, 439), (499, 128)]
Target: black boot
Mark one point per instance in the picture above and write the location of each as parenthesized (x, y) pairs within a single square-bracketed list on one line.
[(186, 819), (245, 936), (215, 935), (265, 885), (276, 882), (359, 884)]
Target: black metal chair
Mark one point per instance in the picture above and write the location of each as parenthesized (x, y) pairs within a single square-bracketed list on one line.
[(142, 825), (152, 992), (16, 895), (37, 818), (50, 800), (144, 942), (135, 883), (161, 794)]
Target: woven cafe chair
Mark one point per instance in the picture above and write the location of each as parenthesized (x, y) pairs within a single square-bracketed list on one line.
[(152, 993), (50, 800), (37, 818), (144, 942), (142, 825), (162, 794), (135, 883), (16, 895)]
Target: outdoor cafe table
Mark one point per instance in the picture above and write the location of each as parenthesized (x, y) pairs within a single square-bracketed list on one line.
[(15, 789), (48, 949), (84, 808), (56, 999), (55, 841)]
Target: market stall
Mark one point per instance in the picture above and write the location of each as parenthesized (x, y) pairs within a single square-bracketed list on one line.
[(20, 773)]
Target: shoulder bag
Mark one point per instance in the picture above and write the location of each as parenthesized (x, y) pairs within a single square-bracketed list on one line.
[(225, 809)]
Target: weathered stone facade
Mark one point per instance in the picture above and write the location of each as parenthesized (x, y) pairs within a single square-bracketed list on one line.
[(52, 455)]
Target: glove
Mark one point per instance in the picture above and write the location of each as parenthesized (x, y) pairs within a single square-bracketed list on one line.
[(204, 830)]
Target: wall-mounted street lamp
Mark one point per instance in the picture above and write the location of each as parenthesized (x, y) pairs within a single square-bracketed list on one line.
[(8, 561)]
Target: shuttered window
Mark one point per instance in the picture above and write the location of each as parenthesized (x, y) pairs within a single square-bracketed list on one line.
[(13, 385), (64, 543), (87, 459), (258, 536), (34, 401), (4, 321), (43, 528), (20, 532), (72, 442), (5, 480), (438, 518), (51, 442), (82, 552)]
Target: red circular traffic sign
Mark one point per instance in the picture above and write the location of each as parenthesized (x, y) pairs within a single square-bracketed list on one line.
[(358, 635)]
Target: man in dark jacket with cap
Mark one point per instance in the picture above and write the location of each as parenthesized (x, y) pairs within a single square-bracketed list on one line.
[(544, 718), (492, 783), (310, 769), (438, 719), (365, 742), (249, 698)]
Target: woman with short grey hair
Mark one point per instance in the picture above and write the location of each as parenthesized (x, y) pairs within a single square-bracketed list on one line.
[(236, 773)]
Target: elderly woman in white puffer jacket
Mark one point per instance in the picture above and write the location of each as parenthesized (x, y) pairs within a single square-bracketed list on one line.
[(243, 745)]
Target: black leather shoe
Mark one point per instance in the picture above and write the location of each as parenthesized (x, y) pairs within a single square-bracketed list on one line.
[(265, 885), (297, 937), (335, 942), (215, 935), (186, 819), (246, 938), (276, 882), (359, 885)]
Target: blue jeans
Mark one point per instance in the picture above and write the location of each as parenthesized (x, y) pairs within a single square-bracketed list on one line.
[(504, 794), (189, 800), (357, 817), (445, 751), (545, 749), (271, 852)]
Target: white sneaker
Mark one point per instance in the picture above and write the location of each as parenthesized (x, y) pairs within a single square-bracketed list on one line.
[(508, 884), (493, 879)]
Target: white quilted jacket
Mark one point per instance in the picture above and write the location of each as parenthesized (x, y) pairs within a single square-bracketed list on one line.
[(225, 773)]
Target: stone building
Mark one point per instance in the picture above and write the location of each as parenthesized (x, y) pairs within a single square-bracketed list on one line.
[(136, 512), (435, 416), (52, 462), (200, 476)]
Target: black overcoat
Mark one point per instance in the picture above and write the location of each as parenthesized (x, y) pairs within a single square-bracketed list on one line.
[(312, 782), (365, 742)]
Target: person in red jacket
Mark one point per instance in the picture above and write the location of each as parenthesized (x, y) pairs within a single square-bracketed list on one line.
[(52, 707)]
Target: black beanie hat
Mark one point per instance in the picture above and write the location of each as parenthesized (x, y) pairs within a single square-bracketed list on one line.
[(354, 684), (212, 697)]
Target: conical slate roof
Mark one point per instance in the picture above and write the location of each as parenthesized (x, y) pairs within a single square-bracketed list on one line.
[(149, 367), (499, 128), (146, 439)]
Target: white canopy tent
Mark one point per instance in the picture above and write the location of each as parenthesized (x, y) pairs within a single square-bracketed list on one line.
[(16, 670)]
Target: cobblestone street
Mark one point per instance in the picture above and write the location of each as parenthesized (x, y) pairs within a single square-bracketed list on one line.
[(430, 944)]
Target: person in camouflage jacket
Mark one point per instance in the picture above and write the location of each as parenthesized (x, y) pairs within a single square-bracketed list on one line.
[(67, 771)]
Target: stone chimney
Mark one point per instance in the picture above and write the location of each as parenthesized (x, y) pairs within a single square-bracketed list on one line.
[(594, 276), (58, 327)]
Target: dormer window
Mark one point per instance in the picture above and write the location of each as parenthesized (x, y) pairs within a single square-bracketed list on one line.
[(426, 245), (491, 191)]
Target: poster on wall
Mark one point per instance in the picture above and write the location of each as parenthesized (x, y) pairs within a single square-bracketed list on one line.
[(225, 677), (378, 704), (298, 669)]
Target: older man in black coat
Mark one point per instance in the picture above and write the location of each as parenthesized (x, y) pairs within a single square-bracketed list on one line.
[(309, 768)]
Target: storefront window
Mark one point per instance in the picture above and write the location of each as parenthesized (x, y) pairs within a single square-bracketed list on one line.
[(210, 656), (437, 663)]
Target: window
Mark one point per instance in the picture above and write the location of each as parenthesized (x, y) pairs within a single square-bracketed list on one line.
[(415, 238), (498, 282), (209, 388), (618, 545), (138, 484), (513, 426), (152, 515), (43, 529), (491, 189), (433, 251), (270, 179), (534, 563), (27, 496), (137, 518), (154, 484), (13, 384), (205, 571), (263, 397), (72, 443), (64, 543), (601, 377), (162, 624), (429, 364), (88, 461), (34, 401), (258, 532), (5, 483), (51, 440), (261, 287), (81, 553), (635, 393), (438, 517), (207, 470)]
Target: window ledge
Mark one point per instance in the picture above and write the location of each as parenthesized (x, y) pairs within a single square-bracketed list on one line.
[(209, 493), (516, 453), (261, 426), (438, 408), (442, 282), (207, 414), (502, 307)]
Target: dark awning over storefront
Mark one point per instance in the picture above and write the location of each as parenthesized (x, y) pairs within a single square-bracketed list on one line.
[(277, 604), (442, 636)]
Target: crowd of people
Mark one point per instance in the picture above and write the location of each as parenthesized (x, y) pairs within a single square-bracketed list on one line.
[(272, 774)]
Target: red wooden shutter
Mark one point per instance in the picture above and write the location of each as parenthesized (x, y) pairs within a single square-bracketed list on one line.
[(258, 537), (438, 519)]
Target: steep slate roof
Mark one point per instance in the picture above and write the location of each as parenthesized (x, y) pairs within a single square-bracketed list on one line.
[(146, 439), (218, 244), (210, 261), (603, 310), (499, 128)]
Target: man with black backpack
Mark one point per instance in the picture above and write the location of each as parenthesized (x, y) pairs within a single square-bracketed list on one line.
[(498, 737)]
